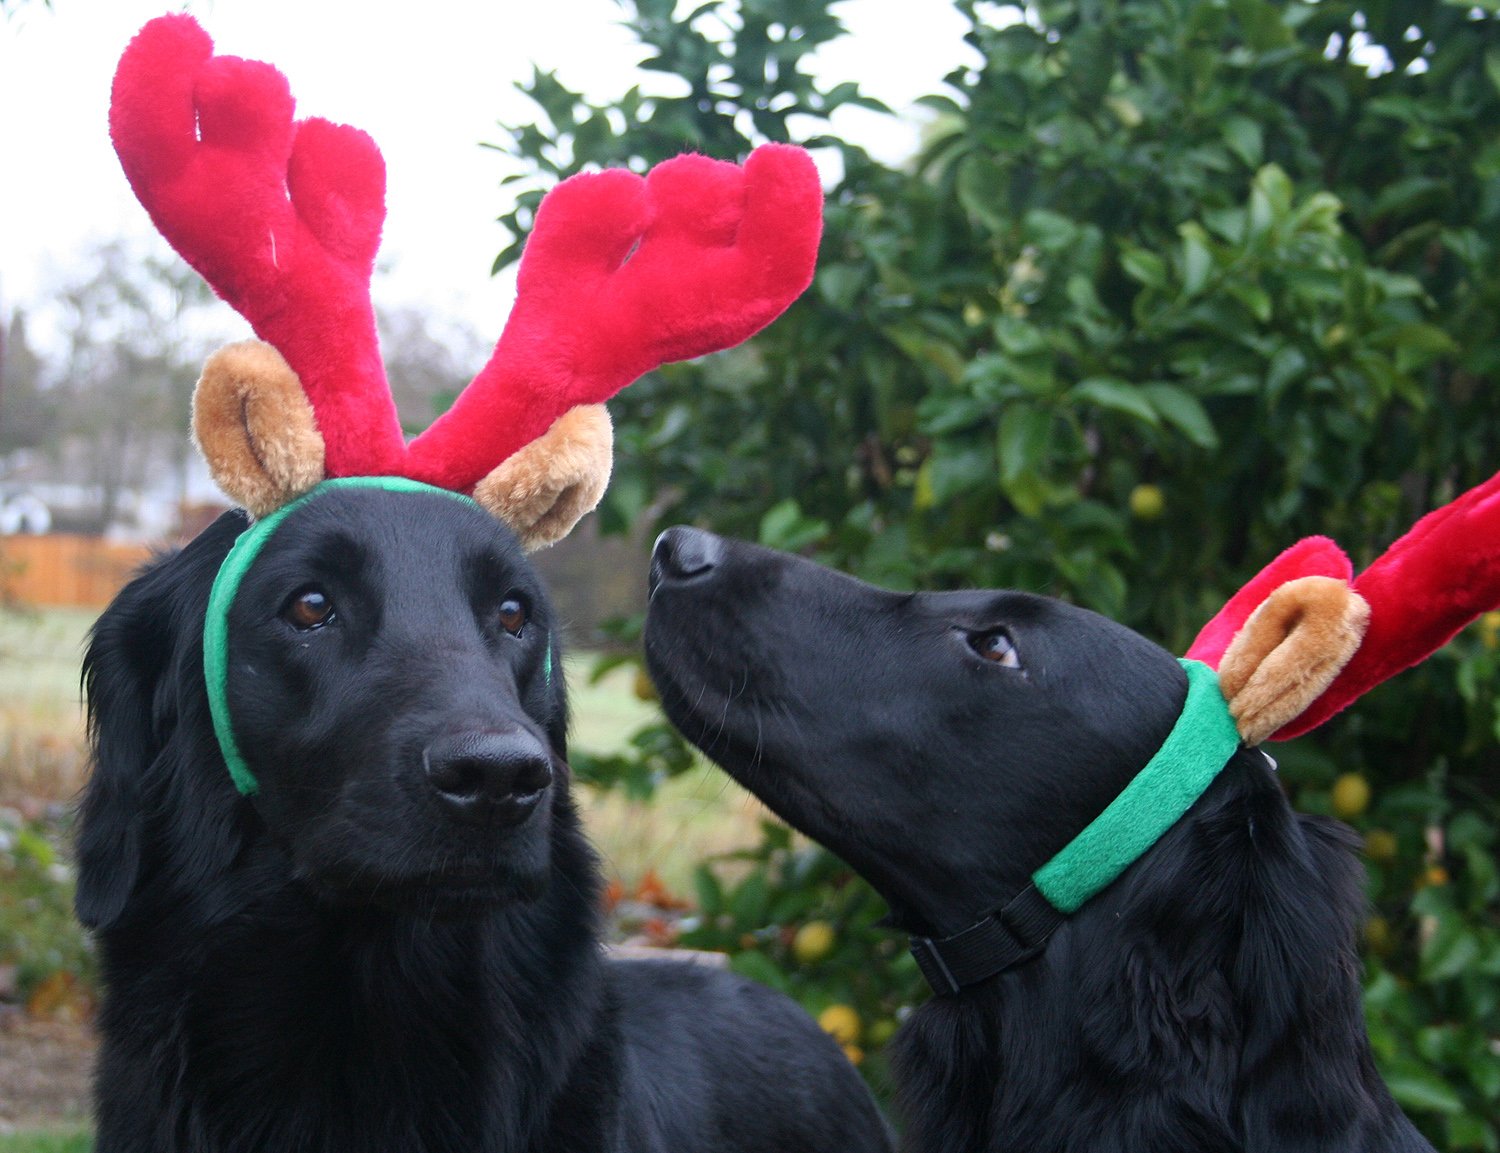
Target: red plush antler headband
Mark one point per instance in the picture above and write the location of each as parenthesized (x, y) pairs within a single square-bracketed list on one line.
[(282, 218), (1305, 638)]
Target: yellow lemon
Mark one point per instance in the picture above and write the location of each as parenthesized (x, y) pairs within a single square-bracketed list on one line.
[(1147, 502), (1381, 846), (813, 942), (841, 1023), (1351, 795)]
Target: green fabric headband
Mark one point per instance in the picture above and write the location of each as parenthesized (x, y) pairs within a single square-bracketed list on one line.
[(227, 585), (1195, 751)]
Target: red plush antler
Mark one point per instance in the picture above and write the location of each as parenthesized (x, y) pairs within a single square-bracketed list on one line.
[(623, 273), (283, 219), (1429, 584)]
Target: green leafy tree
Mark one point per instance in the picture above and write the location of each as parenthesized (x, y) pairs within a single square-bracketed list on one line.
[(1172, 284)]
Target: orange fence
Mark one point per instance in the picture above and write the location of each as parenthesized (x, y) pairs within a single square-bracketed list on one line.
[(63, 570)]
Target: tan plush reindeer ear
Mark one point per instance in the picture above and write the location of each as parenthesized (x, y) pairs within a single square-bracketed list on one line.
[(1289, 651), (546, 487), (255, 428)]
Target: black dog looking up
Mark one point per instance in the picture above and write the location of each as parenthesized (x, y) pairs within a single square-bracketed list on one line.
[(946, 745), (393, 945)]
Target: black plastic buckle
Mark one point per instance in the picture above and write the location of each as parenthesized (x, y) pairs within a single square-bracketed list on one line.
[(1002, 940), (930, 961)]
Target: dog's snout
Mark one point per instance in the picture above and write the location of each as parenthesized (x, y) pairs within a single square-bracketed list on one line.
[(489, 777), (683, 553)]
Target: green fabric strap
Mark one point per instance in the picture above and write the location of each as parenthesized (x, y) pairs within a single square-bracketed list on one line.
[(227, 585), (1198, 747)]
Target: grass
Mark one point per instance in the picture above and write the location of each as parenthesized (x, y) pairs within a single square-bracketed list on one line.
[(69, 1140)]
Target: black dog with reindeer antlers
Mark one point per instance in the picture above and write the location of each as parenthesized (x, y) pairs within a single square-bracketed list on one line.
[(341, 893), (1135, 945)]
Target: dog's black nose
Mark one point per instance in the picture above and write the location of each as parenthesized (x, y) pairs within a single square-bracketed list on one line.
[(489, 777), (682, 553)]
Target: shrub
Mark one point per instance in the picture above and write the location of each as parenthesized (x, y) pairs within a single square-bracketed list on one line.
[(1172, 284)]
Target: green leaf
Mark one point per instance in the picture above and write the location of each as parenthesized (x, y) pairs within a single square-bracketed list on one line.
[(710, 892), (954, 470), (785, 527), (1197, 258), (1422, 1091), (1244, 138), (1451, 950), (758, 967), (980, 191), (1117, 396), (1144, 266), (1270, 199), (1418, 345), (1052, 231), (1183, 411), (1023, 440), (943, 415), (749, 902)]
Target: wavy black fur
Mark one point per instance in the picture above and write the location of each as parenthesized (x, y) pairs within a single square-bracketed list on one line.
[(1206, 1002), (339, 964)]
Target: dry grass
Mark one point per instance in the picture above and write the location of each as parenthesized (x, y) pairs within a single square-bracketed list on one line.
[(42, 758)]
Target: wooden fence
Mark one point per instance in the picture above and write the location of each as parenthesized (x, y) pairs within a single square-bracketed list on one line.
[(61, 570)]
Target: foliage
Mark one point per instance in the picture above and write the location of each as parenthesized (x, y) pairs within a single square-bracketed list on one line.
[(55, 969), (1172, 284)]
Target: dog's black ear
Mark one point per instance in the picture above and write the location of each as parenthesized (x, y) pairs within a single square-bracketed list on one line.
[(1297, 972), (1240, 946), (141, 645)]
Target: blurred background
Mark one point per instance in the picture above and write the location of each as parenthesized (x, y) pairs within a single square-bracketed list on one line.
[(1115, 302)]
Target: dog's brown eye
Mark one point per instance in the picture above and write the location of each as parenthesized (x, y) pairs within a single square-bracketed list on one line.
[(996, 647), (308, 609), (512, 615)]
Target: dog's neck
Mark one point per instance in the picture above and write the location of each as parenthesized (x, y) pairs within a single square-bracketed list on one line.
[(370, 995), (1208, 1000)]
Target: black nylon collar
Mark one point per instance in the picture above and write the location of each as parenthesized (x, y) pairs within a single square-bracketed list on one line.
[(1002, 940)]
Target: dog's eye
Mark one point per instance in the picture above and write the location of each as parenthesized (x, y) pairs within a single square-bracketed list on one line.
[(996, 647), (512, 614), (308, 609)]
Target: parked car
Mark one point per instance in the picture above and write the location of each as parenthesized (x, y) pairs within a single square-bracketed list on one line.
[(23, 512)]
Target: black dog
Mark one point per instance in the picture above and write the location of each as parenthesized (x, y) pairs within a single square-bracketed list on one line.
[(948, 744), (392, 946)]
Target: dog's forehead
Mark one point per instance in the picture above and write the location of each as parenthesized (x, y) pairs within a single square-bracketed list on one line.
[(418, 532), (998, 608)]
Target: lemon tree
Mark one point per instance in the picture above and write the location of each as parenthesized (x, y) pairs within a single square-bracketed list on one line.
[(1169, 285)]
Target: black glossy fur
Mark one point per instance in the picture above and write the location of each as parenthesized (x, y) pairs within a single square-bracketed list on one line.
[(1207, 1002), (359, 959)]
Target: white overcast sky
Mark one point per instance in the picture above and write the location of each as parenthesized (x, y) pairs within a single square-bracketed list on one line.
[(428, 79)]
